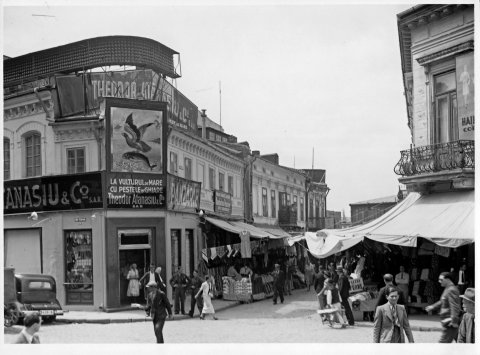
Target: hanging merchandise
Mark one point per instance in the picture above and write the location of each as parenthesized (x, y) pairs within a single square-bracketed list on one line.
[(442, 251), (246, 250)]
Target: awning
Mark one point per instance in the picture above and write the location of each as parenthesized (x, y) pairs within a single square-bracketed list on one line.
[(277, 232), (254, 231), (239, 227), (447, 219)]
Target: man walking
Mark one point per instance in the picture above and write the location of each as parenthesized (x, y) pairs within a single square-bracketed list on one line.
[(195, 285), (449, 305), (179, 284), (382, 297), (344, 290), (278, 283), (158, 308)]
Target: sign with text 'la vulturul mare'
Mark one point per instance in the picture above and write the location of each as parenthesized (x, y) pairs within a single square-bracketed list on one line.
[(53, 193), (134, 190)]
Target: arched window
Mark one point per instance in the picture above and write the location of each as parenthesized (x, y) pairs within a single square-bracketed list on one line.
[(33, 157), (6, 158)]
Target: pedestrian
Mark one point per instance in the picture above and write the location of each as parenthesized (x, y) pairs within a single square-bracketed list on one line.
[(28, 335), (391, 320), (278, 282), (150, 281), (382, 297), (160, 283), (466, 330), (195, 285), (344, 290), (133, 290), (207, 292), (319, 284), (462, 282), (333, 301), (402, 279), (159, 307), (449, 306), (245, 270), (179, 283), (332, 274), (308, 274), (290, 270)]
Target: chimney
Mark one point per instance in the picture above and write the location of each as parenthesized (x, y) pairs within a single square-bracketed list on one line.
[(204, 124)]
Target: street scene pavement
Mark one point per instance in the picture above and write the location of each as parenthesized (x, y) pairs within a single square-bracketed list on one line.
[(294, 321)]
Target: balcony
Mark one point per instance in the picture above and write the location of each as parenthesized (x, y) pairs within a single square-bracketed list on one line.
[(437, 158), (287, 216)]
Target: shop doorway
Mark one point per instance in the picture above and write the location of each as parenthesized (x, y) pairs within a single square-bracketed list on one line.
[(141, 257), (135, 247)]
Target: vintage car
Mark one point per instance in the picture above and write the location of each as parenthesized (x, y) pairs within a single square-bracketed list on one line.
[(37, 293)]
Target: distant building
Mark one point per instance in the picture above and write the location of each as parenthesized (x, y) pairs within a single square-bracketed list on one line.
[(366, 211)]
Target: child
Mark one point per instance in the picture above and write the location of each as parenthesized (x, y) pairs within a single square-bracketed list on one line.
[(333, 301)]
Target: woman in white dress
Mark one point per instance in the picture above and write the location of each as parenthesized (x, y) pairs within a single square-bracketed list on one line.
[(133, 290), (207, 290)]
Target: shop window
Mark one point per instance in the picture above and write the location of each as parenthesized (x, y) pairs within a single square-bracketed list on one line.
[(264, 202), (176, 246), (75, 160), (187, 162), (173, 163), (302, 216), (190, 252), (273, 202), (78, 267), (211, 178), (283, 199), (230, 185), (221, 181), (6, 158), (33, 158), (445, 125)]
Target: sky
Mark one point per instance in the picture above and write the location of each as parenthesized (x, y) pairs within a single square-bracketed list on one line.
[(319, 84)]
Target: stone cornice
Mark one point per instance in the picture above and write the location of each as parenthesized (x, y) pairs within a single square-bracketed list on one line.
[(448, 52)]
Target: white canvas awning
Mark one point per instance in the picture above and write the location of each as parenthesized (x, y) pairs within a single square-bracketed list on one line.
[(446, 219), (239, 227)]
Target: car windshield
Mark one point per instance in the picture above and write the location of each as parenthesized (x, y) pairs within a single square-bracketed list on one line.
[(43, 285)]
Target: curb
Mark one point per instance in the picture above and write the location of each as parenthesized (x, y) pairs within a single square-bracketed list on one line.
[(417, 328), (129, 320)]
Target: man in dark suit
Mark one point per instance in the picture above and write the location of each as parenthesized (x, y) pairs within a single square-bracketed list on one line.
[(449, 305), (158, 308), (278, 283), (382, 297), (344, 290), (391, 320), (179, 283)]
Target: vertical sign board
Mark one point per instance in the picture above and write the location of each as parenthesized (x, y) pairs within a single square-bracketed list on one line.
[(136, 147), (222, 202), (466, 96)]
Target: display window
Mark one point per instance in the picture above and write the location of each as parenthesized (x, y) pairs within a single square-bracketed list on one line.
[(78, 267)]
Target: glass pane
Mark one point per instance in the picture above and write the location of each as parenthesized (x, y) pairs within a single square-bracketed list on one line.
[(444, 83), (454, 121), (442, 120), (78, 260)]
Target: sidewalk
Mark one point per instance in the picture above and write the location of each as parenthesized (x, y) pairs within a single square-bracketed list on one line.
[(130, 315), (418, 322)]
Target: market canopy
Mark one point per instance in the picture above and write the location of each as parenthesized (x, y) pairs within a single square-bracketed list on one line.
[(446, 219), (239, 227), (277, 232)]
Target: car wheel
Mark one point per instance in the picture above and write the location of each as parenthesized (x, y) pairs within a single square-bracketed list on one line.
[(11, 316)]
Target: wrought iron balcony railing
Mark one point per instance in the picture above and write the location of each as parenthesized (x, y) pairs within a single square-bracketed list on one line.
[(436, 158)]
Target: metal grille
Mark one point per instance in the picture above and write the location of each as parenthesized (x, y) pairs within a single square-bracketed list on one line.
[(88, 54), (436, 157)]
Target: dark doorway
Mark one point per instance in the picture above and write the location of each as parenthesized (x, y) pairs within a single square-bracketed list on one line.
[(141, 257)]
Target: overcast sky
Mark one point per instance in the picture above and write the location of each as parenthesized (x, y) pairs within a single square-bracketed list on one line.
[(295, 78)]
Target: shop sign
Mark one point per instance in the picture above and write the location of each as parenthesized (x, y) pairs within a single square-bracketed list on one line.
[(183, 194), (131, 190), (53, 193), (145, 85), (222, 202), (466, 96)]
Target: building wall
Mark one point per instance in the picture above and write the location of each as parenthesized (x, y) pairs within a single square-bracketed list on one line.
[(364, 213), (427, 39)]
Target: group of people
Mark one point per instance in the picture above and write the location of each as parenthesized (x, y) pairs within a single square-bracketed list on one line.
[(157, 304)]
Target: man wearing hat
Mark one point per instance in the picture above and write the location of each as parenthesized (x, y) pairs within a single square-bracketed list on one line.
[(344, 290), (466, 330), (278, 283)]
